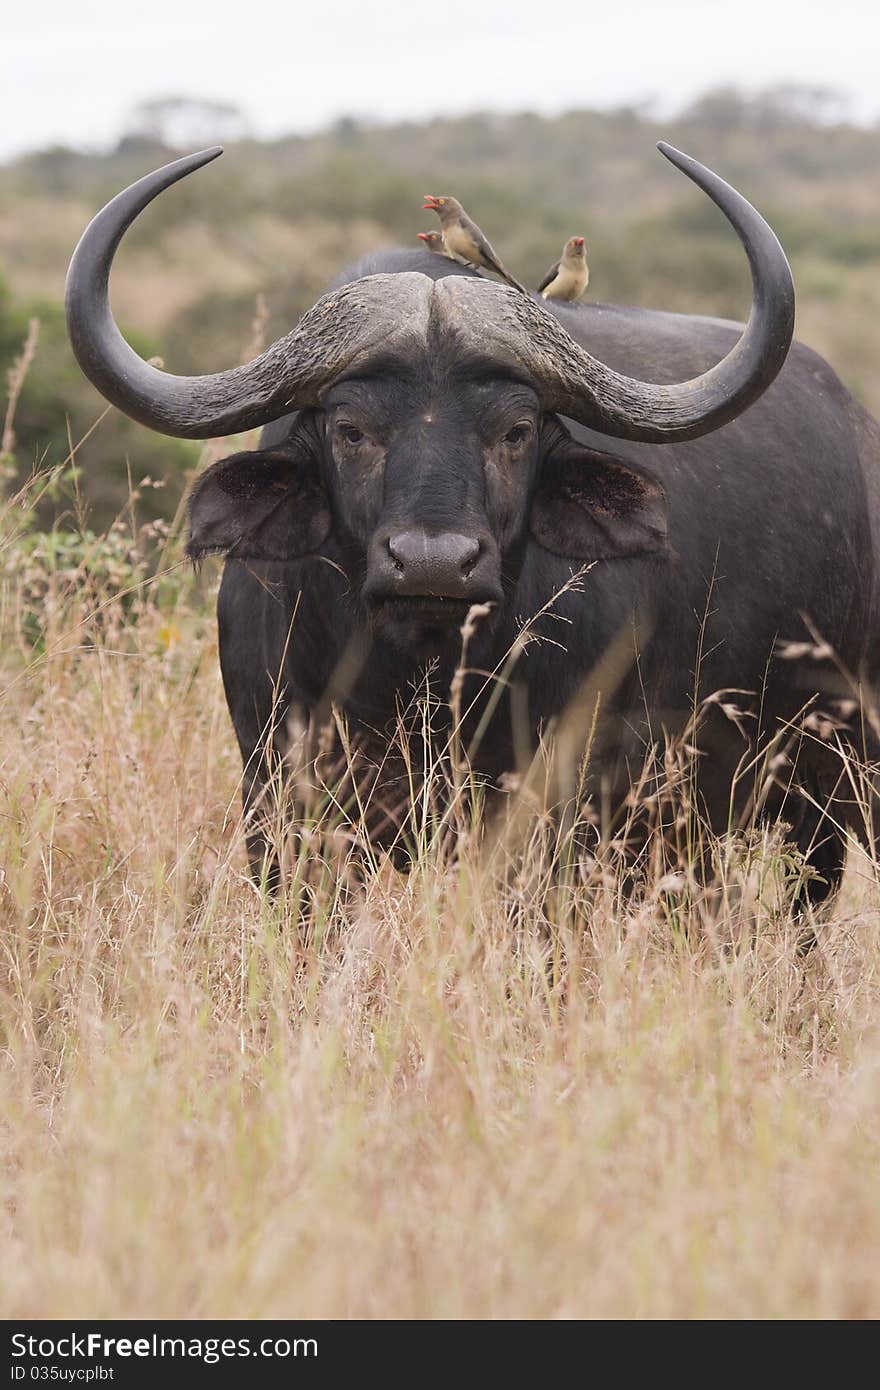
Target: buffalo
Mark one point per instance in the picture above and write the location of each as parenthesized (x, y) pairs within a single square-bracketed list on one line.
[(676, 497)]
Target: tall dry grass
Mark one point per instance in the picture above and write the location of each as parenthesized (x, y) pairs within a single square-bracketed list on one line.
[(485, 1089)]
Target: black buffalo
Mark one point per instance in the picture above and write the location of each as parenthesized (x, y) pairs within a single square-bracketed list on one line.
[(439, 441)]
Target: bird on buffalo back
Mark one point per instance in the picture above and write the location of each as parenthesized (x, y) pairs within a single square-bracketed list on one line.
[(463, 239), (568, 277), (434, 242)]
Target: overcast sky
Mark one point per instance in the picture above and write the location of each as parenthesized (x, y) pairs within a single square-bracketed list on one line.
[(71, 69)]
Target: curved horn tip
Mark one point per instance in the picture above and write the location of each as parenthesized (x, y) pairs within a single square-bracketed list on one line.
[(201, 157), (177, 169), (682, 161)]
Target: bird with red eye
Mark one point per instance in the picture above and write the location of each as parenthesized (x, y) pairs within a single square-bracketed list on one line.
[(463, 240)]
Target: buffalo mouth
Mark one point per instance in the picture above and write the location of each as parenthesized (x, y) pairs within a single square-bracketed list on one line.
[(423, 617)]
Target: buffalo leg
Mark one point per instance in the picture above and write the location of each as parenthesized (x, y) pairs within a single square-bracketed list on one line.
[(822, 843)]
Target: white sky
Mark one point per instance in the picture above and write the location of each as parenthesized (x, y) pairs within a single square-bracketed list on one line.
[(71, 69)]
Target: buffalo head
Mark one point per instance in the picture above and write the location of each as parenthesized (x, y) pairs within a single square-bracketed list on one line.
[(425, 444)]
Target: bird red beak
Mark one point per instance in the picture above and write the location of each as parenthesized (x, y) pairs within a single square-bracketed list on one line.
[(422, 236), (430, 203), (578, 241)]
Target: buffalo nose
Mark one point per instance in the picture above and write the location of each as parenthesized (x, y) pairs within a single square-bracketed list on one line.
[(439, 565), (449, 550)]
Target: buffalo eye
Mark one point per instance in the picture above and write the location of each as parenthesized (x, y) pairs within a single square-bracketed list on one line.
[(518, 435), (351, 434)]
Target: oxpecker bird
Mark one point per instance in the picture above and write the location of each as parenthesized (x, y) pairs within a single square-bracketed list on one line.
[(569, 277), (434, 242), (463, 239)]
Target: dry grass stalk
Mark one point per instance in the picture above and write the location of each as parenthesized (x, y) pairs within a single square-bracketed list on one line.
[(15, 379)]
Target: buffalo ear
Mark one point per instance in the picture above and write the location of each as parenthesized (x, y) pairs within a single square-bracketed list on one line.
[(267, 505), (593, 506)]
